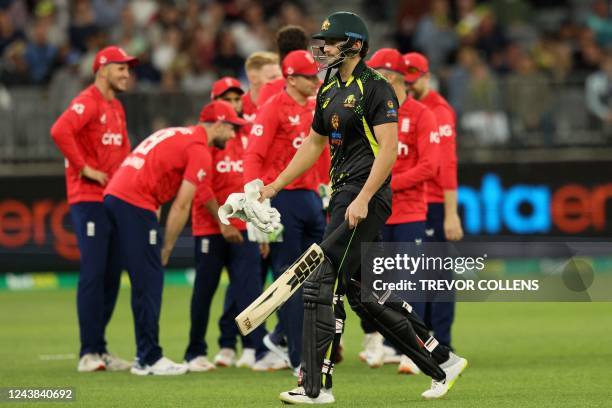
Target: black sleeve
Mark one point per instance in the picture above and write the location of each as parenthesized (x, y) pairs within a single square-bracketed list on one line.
[(318, 124), (382, 104)]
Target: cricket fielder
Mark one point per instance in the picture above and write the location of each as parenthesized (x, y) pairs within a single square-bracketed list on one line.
[(356, 112), (261, 67), (92, 136), (217, 246), (443, 222), (281, 127), (171, 163)]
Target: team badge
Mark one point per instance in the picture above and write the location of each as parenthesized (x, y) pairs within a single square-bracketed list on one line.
[(325, 25), (336, 137), (391, 112), (390, 104), (349, 102)]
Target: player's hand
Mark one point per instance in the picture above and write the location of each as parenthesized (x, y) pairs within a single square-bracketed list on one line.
[(264, 250), (165, 255), (452, 227), (356, 212), (95, 175), (266, 192), (231, 234)]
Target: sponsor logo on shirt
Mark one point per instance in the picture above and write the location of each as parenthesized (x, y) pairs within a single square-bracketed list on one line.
[(402, 149), (446, 130), (133, 161), (336, 137), (229, 166), (109, 138), (257, 130), (434, 137), (79, 108), (405, 126), (201, 174), (297, 142), (294, 120)]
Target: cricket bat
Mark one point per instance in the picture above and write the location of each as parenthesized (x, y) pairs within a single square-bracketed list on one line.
[(280, 290)]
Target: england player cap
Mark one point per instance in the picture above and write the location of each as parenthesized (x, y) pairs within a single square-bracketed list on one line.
[(221, 111), (225, 84), (299, 62), (113, 54), (389, 59), (416, 66)]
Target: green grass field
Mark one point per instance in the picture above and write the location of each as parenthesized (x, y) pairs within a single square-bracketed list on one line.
[(520, 355)]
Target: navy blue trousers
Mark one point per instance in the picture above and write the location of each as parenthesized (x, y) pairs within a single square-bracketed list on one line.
[(100, 273), (212, 253), (407, 232), (438, 316), (304, 224), (141, 242)]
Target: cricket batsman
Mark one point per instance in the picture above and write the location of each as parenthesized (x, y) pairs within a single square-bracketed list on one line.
[(356, 113), (92, 136), (171, 163), (443, 222)]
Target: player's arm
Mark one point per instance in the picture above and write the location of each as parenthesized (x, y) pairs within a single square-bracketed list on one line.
[(448, 174), (230, 233), (64, 133), (428, 143), (177, 218), (304, 158)]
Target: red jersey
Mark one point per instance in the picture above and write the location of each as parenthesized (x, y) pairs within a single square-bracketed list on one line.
[(92, 131), (446, 118), (249, 109), (269, 89), (153, 173), (417, 161), (227, 177), (279, 130)]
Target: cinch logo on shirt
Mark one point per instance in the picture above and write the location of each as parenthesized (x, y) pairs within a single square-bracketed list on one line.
[(112, 139), (434, 137), (297, 142), (402, 149), (228, 166), (446, 130)]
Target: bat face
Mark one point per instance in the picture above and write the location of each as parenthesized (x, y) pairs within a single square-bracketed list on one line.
[(280, 290)]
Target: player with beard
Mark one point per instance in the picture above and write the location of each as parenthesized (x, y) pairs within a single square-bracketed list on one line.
[(171, 163), (92, 136)]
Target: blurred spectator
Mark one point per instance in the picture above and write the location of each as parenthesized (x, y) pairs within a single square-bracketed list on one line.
[(529, 98), (227, 61), (40, 54), (15, 70), (167, 50), (599, 94), (253, 34), (435, 35), (82, 25), (599, 21), (66, 82), (108, 12), (588, 55), (8, 32)]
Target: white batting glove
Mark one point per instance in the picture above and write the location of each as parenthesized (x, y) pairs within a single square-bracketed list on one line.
[(233, 208)]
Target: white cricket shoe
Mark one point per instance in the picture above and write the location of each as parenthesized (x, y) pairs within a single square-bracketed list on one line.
[(226, 357), (407, 366), (163, 366), (270, 362), (114, 363), (453, 368), (280, 351), (438, 390), (247, 359), (391, 356), (91, 362), (199, 364), (373, 353), (298, 396)]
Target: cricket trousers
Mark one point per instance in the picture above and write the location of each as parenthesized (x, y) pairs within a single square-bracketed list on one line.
[(303, 225), (140, 239), (438, 316), (342, 247), (212, 254), (406, 232), (100, 273)]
